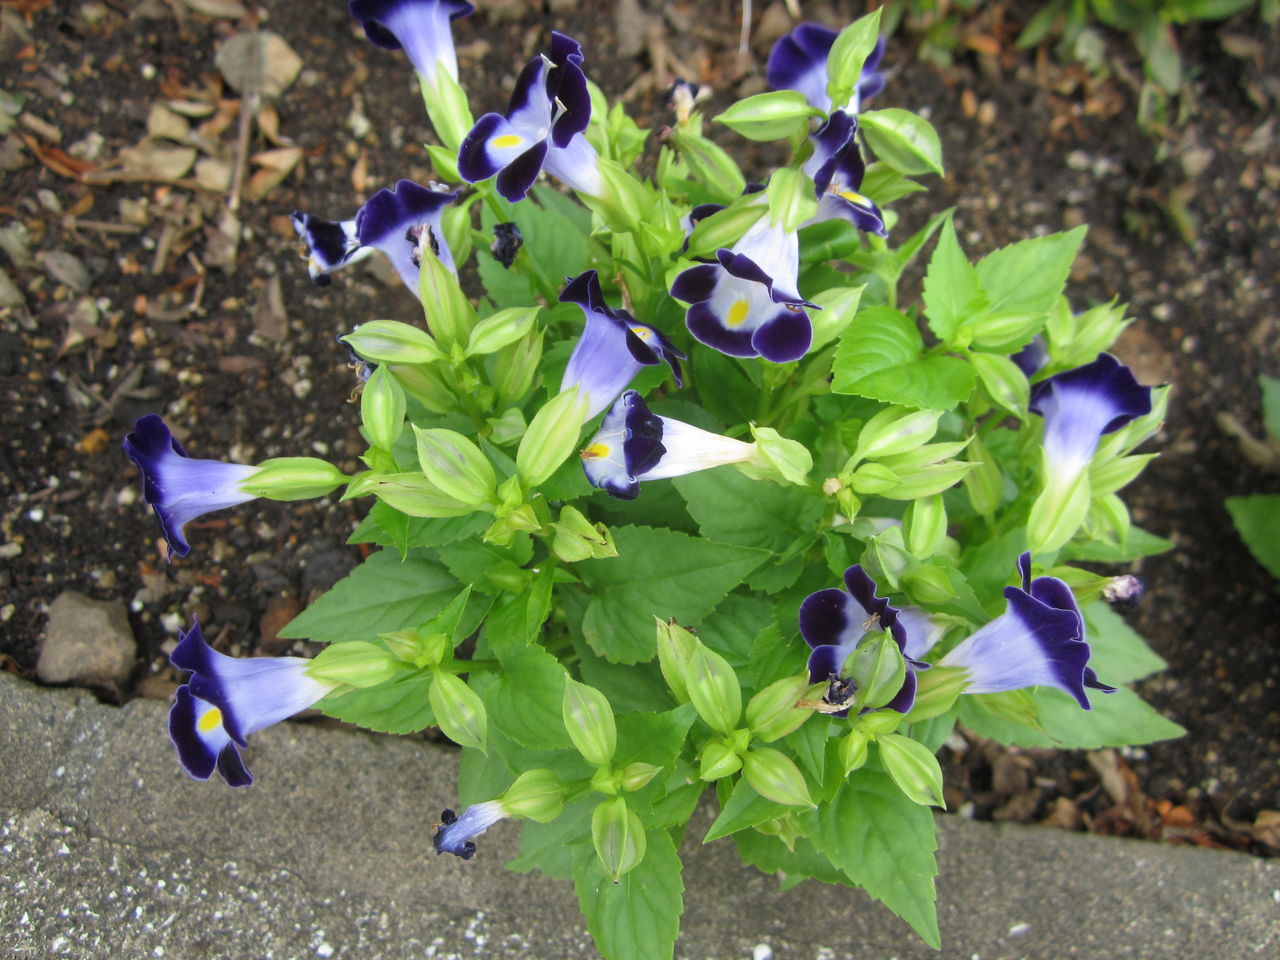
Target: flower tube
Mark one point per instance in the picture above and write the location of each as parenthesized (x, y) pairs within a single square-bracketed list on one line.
[(746, 304), (405, 222), (798, 61), (227, 699), (456, 834), (549, 109), (614, 346), (833, 622), (634, 444), (837, 170), (421, 28), (1038, 641)]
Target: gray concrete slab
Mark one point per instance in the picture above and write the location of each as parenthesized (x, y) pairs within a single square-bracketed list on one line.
[(108, 850)]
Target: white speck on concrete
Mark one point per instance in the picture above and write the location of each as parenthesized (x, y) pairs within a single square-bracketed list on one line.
[(1019, 929), (762, 951)]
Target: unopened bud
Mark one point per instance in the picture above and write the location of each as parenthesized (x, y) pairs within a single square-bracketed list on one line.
[(357, 663), (877, 668), (618, 836), (675, 650), (913, 767), (772, 713), (459, 711), (775, 776), (718, 760), (293, 478), (714, 690), (1124, 592), (589, 719), (536, 795)]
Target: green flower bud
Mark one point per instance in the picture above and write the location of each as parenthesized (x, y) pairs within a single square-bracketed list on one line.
[(839, 304), (551, 437), (1004, 331), (895, 430), (926, 481), (769, 116), (515, 367), (889, 556), (425, 385), (937, 691), (536, 795), (459, 711), (878, 722), (675, 651), (790, 198), (925, 523), (713, 689), (390, 341), (718, 760), (778, 458), (500, 329), (772, 713), (984, 483), (775, 777), (414, 647), (449, 314), (457, 467), (852, 750), (618, 836), (382, 408), (356, 663), (848, 502), (784, 828), (929, 585), (455, 224), (914, 769), (1004, 380), (873, 478), (878, 669), (577, 538), (637, 775), (293, 478), (589, 720), (415, 495)]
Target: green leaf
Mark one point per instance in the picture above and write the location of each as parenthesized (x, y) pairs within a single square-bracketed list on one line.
[(658, 573), (744, 808), (1270, 404), (952, 291), (1140, 543), (732, 508), (904, 140), (1117, 719), (768, 854), (638, 917), (388, 527), (1118, 654), (1257, 520), (550, 848), (732, 627), (383, 594), (884, 843), (654, 738), (401, 705), (880, 357), (1027, 277), (769, 116), (524, 703)]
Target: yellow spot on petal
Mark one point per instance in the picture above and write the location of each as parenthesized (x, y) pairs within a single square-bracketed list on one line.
[(737, 313), (857, 198), (506, 140), (210, 721), (596, 451), (644, 333)]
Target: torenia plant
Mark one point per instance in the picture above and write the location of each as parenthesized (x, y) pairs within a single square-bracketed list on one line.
[(688, 507)]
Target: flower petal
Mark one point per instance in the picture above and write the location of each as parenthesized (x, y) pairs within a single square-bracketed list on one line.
[(490, 145), (784, 337), (419, 27), (798, 61), (516, 179), (456, 834)]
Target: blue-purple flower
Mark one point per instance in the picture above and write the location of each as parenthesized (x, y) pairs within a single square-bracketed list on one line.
[(456, 834), (634, 444), (613, 347), (1038, 641), (837, 170), (419, 27), (1082, 405), (549, 109), (404, 223), (746, 304), (179, 487), (227, 699), (1032, 358), (833, 622), (798, 61)]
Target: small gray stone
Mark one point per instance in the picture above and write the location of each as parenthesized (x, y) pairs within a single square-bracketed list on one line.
[(87, 641)]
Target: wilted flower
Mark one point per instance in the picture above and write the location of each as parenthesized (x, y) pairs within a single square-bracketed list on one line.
[(634, 444), (227, 699), (456, 834), (549, 109), (613, 346), (419, 27), (746, 304), (798, 61), (837, 171), (1038, 641), (507, 241), (1124, 592)]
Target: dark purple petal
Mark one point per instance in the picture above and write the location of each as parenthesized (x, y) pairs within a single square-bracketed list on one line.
[(507, 241), (798, 61), (1033, 357), (905, 698), (1024, 569), (373, 13), (515, 180), (695, 284), (389, 213), (456, 834), (565, 49), (826, 661), (568, 84), (642, 439), (826, 618), (328, 241), (829, 143), (709, 329), (195, 755), (232, 768), (784, 337), (474, 162), (585, 291)]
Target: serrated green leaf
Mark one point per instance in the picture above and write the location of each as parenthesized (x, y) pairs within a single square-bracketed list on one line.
[(524, 703), (1027, 277), (733, 508), (383, 594), (638, 917), (654, 738), (952, 292), (744, 808), (659, 573), (1257, 520), (1117, 719), (885, 844), (904, 140), (401, 705), (880, 357), (1118, 654)]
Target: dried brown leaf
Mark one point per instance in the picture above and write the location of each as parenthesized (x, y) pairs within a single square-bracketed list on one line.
[(258, 60), (213, 175), (269, 317), (164, 123), (222, 9), (154, 160)]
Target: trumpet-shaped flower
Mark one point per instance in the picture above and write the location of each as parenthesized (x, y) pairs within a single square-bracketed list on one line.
[(613, 346), (833, 622), (549, 109), (634, 444), (456, 834), (837, 170), (1038, 641), (798, 61), (179, 487), (227, 699), (1082, 405), (746, 304), (419, 27)]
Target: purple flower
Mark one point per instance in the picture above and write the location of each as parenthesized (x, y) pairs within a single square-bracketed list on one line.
[(549, 109), (227, 699), (455, 834), (833, 622), (1032, 358), (1038, 641), (613, 346), (746, 304), (634, 444), (330, 244), (837, 171), (798, 61), (419, 27), (181, 488), (1082, 405)]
